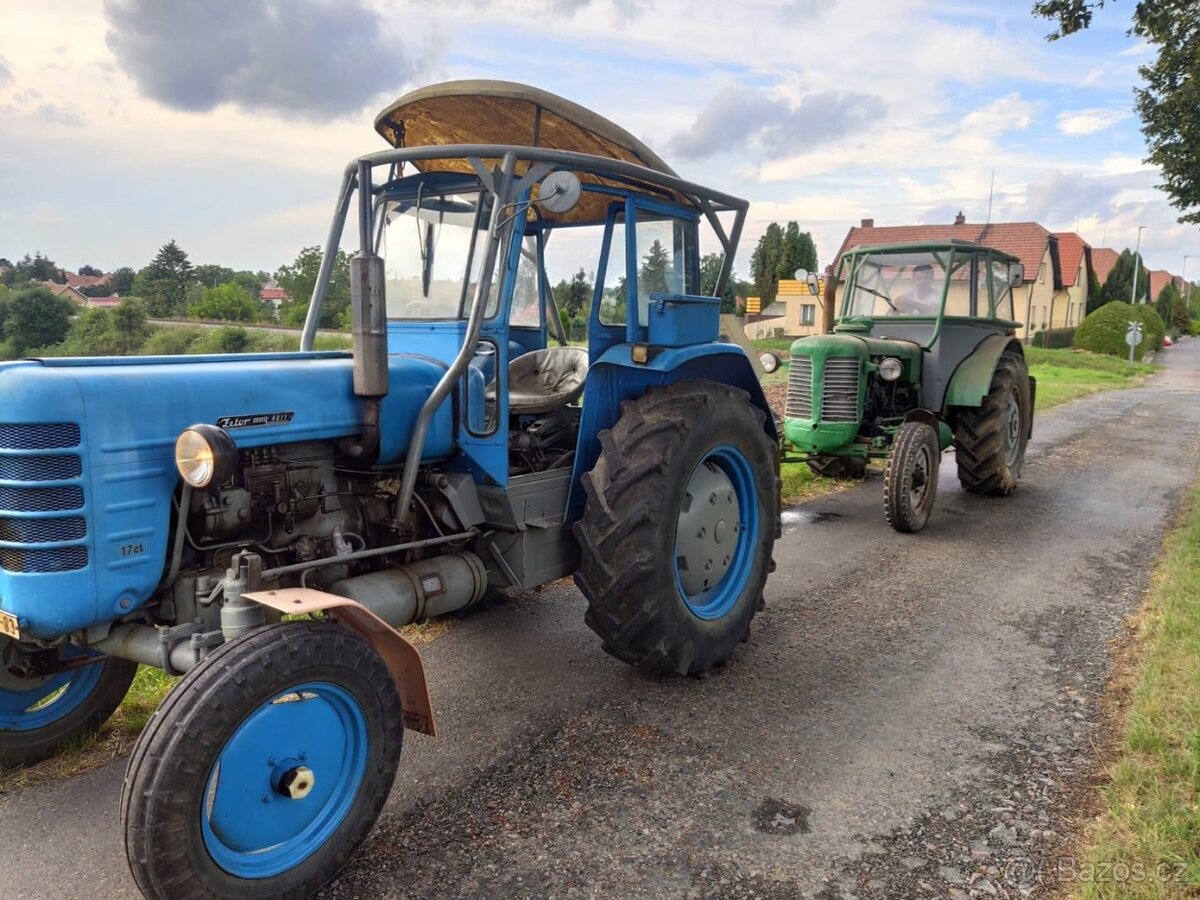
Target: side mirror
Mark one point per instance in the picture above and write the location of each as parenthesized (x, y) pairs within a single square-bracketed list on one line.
[(559, 192), (1016, 274)]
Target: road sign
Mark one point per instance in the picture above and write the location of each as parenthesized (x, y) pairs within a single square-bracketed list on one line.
[(1133, 336)]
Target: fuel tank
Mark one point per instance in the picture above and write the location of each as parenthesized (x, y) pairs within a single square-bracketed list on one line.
[(87, 460)]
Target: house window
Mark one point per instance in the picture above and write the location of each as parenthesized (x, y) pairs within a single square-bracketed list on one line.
[(808, 314), (1042, 273)]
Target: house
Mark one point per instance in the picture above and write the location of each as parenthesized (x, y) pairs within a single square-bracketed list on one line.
[(84, 281), (272, 293), (796, 312), (1159, 279), (1103, 260), (104, 302), (65, 290), (1075, 261), (1035, 302)]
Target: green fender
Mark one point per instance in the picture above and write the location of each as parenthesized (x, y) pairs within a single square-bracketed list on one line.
[(973, 378)]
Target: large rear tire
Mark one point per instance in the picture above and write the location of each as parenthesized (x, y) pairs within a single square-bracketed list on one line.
[(265, 768), (680, 521), (990, 440), (41, 714), (854, 467)]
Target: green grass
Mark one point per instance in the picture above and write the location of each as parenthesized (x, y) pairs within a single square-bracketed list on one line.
[(1064, 375), (1150, 820), (146, 692)]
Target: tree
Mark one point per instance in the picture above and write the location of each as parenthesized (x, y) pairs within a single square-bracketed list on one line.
[(229, 301), (654, 275), (34, 318), (710, 271), (300, 277), (163, 284), (211, 276), (40, 268), (1169, 104), (121, 281), (780, 252), (574, 297), (1120, 280), (1166, 302), (89, 270)]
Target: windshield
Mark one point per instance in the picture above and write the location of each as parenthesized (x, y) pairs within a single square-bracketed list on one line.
[(898, 284), (432, 249)]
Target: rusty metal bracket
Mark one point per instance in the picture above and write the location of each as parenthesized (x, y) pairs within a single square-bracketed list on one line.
[(401, 657)]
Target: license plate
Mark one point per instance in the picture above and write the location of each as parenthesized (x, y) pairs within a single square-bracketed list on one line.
[(9, 625)]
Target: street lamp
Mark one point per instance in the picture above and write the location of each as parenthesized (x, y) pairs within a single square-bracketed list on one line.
[(1136, 259)]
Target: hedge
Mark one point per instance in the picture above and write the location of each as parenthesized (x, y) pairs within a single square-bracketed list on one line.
[(1055, 338), (1104, 330)]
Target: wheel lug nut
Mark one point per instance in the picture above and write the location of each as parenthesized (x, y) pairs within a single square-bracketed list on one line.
[(297, 783), (700, 534)]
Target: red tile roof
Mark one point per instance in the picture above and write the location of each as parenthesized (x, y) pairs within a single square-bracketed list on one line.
[(111, 300), (1071, 249), (1159, 279), (273, 294), (1025, 240), (82, 281), (1103, 259)]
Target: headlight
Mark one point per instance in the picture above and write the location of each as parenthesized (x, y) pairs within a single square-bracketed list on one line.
[(204, 454), (890, 368)]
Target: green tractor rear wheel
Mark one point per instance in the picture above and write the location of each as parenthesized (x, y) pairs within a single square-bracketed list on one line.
[(990, 440)]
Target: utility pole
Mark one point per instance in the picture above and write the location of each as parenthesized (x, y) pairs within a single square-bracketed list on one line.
[(1136, 260), (1183, 288)]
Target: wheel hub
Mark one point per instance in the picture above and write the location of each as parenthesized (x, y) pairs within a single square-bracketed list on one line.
[(706, 534), (1012, 430)]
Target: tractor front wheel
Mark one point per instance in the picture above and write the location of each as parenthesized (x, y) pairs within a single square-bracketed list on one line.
[(854, 467), (40, 713), (680, 522), (990, 440), (265, 768), (910, 480)]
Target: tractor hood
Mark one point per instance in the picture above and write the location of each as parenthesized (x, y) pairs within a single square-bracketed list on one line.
[(87, 469)]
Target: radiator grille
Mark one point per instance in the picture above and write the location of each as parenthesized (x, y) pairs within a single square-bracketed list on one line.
[(799, 396), (54, 559), (40, 468), (42, 531), (19, 500), (34, 499), (839, 390), (21, 436)]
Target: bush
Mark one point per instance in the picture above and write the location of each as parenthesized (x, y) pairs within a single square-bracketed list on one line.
[(171, 341), (1055, 338), (1194, 328), (1104, 330)]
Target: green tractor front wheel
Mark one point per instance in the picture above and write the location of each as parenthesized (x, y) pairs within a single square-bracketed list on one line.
[(910, 481)]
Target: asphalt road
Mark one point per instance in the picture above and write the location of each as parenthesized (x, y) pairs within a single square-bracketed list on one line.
[(914, 715)]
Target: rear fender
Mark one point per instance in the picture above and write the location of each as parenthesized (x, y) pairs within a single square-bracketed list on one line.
[(615, 377), (401, 657), (973, 378)]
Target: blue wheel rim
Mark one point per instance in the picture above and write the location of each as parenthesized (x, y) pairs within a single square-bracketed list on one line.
[(250, 828), (719, 599), (29, 704)]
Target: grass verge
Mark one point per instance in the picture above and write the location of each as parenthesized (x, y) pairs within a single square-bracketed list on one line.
[(1146, 841), (1064, 375)]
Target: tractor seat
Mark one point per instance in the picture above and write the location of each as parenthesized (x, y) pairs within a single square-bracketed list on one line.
[(544, 380)]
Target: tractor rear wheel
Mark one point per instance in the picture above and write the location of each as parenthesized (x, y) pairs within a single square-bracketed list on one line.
[(39, 714), (910, 480), (990, 440), (265, 768), (839, 466), (680, 521)]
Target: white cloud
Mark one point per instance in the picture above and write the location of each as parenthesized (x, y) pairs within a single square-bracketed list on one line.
[(1089, 121)]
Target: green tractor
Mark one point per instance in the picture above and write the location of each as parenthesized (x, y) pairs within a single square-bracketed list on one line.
[(924, 355)]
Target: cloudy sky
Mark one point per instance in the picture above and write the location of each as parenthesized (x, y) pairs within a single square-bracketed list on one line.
[(225, 124)]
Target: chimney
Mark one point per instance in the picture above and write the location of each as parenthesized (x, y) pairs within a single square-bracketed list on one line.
[(960, 219), (868, 223)]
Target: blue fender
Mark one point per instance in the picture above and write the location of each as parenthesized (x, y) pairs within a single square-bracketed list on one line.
[(615, 377)]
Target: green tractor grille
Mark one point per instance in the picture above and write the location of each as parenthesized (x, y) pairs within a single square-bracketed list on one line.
[(799, 396), (839, 389)]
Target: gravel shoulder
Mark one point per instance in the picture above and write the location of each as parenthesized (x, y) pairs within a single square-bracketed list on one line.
[(914, 715)]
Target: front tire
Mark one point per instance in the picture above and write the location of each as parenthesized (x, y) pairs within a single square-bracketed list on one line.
[(266, 767), (680, 521), (990, 440), (41, 714), (910, 480)]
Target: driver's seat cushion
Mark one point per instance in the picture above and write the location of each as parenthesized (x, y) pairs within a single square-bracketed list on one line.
[(544, 380)]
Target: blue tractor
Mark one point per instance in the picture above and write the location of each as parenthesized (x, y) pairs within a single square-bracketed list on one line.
[(263, 524)]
